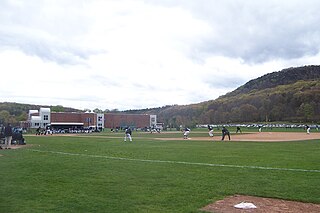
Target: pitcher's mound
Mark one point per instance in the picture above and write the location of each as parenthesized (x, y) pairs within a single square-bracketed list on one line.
[(264, 205)]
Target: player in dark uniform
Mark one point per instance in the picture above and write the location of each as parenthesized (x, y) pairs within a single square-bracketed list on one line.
[(224, 133)]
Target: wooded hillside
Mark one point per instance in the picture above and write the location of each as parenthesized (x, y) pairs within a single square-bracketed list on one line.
[(289, 95)]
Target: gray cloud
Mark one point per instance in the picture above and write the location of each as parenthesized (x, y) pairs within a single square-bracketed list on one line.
[(43, 45), (29, 27), (49, 50), (256, 31)]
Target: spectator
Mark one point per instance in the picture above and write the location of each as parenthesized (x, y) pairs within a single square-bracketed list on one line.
[(8, 136)]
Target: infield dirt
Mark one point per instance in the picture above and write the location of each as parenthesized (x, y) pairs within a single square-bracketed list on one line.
[(261, 136)]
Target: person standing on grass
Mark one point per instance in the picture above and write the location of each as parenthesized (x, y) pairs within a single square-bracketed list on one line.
[(8, 136), (128, 133), (225, 132), (210, 131), (186, 133)]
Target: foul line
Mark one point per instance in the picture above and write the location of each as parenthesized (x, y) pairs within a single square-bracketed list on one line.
[(179, 162)]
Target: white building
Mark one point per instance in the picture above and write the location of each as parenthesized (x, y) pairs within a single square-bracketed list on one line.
[(39, 118), (100, 121)]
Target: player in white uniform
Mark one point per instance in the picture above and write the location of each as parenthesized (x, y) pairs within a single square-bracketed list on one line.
[(186, 133), (128, 134), (210, 131)]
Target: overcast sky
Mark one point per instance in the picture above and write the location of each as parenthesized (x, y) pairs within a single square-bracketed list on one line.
[(134, 54)]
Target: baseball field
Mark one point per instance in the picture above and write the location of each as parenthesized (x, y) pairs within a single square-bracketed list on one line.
[(160, 172)]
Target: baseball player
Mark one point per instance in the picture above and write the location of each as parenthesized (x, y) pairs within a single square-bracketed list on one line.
[(210, 131), (186, 133), (128, 133), (224, 133), (308, 129)]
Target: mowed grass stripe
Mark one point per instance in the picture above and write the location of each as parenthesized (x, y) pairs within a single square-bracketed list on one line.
[(179, 162)]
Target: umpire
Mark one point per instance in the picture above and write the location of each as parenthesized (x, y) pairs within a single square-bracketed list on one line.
[(225, 132)]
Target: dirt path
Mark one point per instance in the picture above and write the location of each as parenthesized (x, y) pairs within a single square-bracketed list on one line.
[(261, 136)]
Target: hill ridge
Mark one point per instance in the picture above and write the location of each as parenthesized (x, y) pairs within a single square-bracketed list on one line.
[(282, 77)]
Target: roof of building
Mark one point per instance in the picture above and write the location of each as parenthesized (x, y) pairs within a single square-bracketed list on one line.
[(66, 123), (44, 109), (35, 118)]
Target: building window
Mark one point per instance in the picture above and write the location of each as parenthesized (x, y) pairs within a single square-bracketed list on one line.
[(36, 124), (88, 121), (100, 118), (46, 117)]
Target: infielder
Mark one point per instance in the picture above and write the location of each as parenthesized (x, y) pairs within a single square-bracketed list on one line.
[(210, 131), (186, 133), (224, 133), (128, 134)]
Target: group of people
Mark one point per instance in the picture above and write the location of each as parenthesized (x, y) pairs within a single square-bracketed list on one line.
[(43, 131), (186, 132), (8, 133), (128, 132), (225, 132)]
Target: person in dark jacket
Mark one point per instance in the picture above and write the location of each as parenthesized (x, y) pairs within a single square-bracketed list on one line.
[(225, 132), (8, 136)]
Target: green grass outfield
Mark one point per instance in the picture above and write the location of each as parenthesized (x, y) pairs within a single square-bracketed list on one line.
[(104, 174)]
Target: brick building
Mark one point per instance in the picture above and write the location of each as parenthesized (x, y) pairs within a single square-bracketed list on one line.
[(113, 120), (60, 120)]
